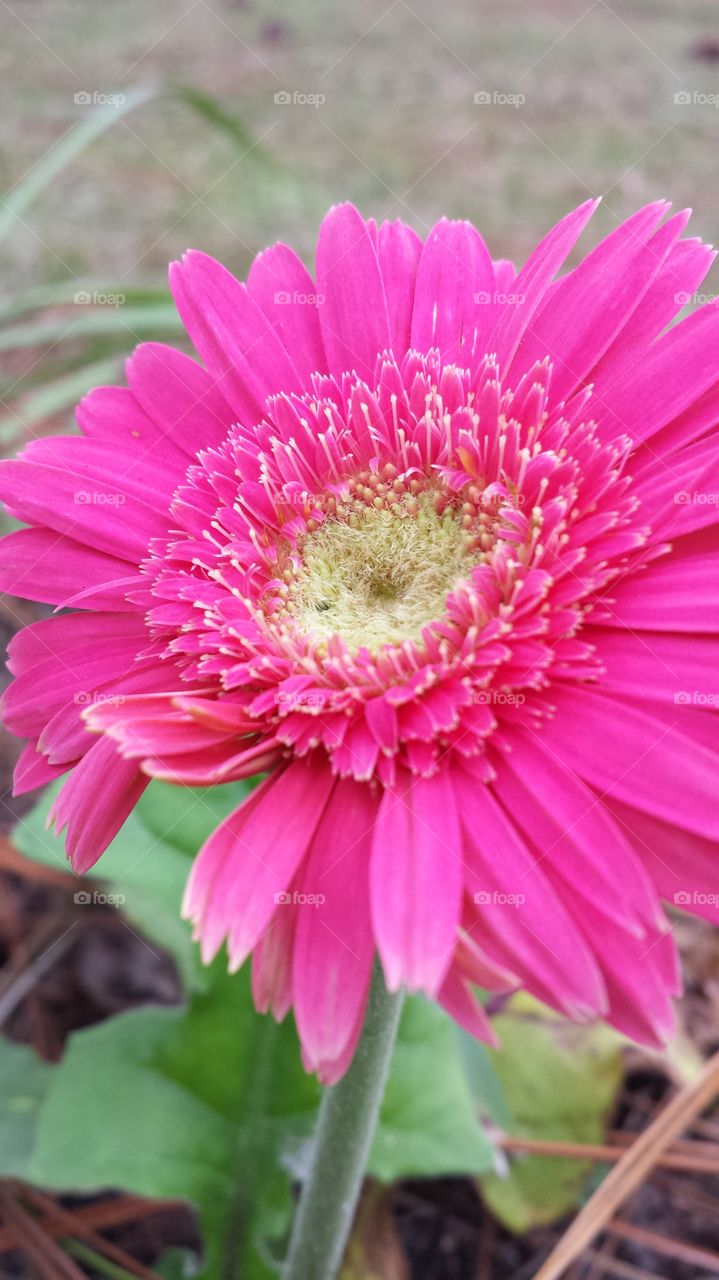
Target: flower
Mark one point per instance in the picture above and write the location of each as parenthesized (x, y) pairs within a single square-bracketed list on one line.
[(434, 546)]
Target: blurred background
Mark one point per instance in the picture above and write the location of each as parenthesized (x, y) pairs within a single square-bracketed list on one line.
[(130, 132)]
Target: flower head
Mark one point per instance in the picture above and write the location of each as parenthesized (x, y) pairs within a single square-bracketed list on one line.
[(434, 546)]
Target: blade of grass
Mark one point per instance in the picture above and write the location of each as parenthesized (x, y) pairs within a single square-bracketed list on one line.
[(54, 397), (135, 321), (78, 136), (61, 293)]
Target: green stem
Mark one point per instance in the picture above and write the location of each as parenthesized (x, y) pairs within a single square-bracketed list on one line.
[(345, 1128), (96, 1260)]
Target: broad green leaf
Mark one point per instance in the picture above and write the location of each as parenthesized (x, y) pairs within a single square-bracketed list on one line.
[(560, 1081), (148, 862), (429, 1123), (24, 1080), (199, 1104), (211, 1104)]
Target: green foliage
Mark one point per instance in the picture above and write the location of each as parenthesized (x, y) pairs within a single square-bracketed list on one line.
[(559, 1081), (210, 1102), (24, 1079), (148, 863)]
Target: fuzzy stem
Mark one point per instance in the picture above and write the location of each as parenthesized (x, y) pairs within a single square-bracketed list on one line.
[(345, 1128)]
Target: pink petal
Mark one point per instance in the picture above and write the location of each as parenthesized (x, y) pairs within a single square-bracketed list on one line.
[(99, 795), (454, 300), (243, 870), (334, 944), (353, 316), (632, 757), (284, 290), (416, 881), (231, 333)]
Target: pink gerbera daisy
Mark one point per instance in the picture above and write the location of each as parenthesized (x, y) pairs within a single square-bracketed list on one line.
[(435, 547)]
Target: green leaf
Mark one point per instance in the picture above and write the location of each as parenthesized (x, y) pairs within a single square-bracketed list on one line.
[(199, 1104), (560, 1081), (53, 397), (70, 144), (127, 323), (148, 862), (428, 1123), (212, 112), (63, 293), (24, 1080)]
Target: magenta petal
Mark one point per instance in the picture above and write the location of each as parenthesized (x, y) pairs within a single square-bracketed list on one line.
[(534, 279), (416, 880), (284, 290), (243, 870), (633, 757), (38, 564), (519, 918), (91, 825), (180, 397), (455, 307), (353, 314), (589, 306), (399, 250), (232, 334), (334, 945)]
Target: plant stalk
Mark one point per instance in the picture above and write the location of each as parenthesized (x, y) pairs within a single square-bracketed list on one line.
[(345, 1128)]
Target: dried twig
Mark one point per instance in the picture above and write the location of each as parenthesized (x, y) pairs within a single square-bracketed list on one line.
[(633, 1168), (689, 1157), (694, 1255)]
